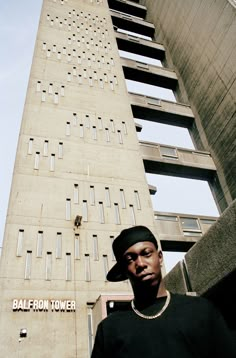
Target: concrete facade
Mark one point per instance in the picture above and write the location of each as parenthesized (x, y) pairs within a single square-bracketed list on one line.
[(79, 175), (199, 39)]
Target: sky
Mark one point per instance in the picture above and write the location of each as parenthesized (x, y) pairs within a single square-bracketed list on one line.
[(19, 23)]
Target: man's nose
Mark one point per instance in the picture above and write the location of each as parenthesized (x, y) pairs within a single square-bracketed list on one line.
[(140, 262)]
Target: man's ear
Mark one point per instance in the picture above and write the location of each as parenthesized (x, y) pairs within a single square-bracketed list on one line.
[(160, 255)]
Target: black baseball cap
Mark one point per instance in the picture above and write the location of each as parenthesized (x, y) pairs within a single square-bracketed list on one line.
[(127, 238)]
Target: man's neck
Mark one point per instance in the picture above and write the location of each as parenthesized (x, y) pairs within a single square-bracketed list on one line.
[(144, 297)]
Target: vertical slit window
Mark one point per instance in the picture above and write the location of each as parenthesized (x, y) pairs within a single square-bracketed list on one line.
[(112, 125), (59, 246), (85, 210), (87, 121), (68, 266), (52, 163), (92, 195), (137, 200), (20, 243), (77, 246), (60, 150), (101, 213), (67, 128), (45, 148), (76, 194), (94, 133), (49, 266), (30, 146), (87, 268), (36, 160), (28, 263), (68, 209), (132, 215), (122, 197), (38, 87), (107, 197), (43, 98), (100, 125), (75, 119), (112, 253), (95, 248), (107, 134), (120, 139), (105, 265), (39, 251), (124, 128), (90, 331), (81, 130), (117, 214)]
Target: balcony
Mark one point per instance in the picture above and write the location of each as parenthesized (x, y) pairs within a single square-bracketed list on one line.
[(140, 46), (161, 111), (129, 23), (152, 75), (128, 7), (180, 162), (179, 232)]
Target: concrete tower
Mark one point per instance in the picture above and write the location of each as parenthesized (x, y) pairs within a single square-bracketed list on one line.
[(79, 175)]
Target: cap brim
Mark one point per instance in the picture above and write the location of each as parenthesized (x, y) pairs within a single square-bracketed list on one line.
[(116, 274)]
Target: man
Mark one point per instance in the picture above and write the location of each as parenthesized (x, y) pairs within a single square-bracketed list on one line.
[(157, 323)]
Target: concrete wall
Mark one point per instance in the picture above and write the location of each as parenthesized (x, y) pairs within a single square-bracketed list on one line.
[(199, 38)]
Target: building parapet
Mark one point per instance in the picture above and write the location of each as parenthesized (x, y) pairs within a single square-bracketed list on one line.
[(176, 161)]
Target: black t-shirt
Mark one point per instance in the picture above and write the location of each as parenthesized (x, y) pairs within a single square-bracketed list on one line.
[(190, 327)]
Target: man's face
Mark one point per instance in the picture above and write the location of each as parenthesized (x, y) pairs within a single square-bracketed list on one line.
[(142, 263)]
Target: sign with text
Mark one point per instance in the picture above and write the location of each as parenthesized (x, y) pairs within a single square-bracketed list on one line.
[(36, 305)]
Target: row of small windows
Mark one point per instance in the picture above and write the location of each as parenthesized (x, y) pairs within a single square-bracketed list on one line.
[(68, 266), (91, 78), (94, 22), (82, 57), (110, 126), (59, 246), (52, 92), (116, 210)]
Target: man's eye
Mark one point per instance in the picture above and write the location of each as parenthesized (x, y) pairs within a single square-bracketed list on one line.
[(128, 259), (147, 253)]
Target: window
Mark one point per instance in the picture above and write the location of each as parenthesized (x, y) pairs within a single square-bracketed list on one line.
[(68, 209), (124, 127), (77, 246), (87, 268), (105, 265), (112, 253), (45, 148), (95, 248), (107, 197), (117, 214), (87, 121), (59, 245), (67, 128), (28, 265), (39, 250), (107, 134), (20, 242), (101, 213), (68, 266), (85, 210), (30, 146), (74, 119), (36, 160), (60, 150), (112, 125), (120, 139), (76, 194), (90, 331), (94, 133), (168, 152), (137, 200), (49, 266), (190, 227), (166, 218), (122, 197), (81, 130), (132, 215), (52, 163)]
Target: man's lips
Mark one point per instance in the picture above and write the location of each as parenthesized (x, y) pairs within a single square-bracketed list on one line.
[(146, 276)]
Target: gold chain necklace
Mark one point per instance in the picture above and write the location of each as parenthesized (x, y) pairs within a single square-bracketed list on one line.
[(158, 313)]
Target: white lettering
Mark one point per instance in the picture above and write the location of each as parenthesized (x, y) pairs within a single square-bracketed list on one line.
[(43, 305)]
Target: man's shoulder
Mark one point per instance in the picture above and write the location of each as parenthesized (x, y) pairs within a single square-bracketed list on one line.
[(118, 315), (192, 301)]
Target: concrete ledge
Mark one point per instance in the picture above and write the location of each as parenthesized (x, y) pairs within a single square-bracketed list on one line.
[(175, 280), (214, 257)]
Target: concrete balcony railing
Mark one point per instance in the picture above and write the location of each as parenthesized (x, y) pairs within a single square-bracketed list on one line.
[(149, 74), (161, 111), (140, 46), (128, 7), (175, 161), (178, 232), (133, 24)]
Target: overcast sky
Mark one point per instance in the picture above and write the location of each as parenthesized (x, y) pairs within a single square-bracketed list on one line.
[(19, 23)]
